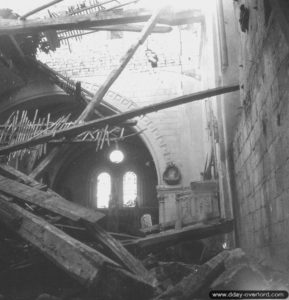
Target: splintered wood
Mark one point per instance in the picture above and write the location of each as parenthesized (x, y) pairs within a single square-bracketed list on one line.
[(88, 266), (85, 8), (158, 241), (104, 18), (77, 129), (18, 128), (49, 201), (189, 287), (32, 213)]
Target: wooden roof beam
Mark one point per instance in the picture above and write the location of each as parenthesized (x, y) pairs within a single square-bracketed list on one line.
[(88, 112), (36, 10), (132, 28), (89, 267), (116, 119), (8, 26)]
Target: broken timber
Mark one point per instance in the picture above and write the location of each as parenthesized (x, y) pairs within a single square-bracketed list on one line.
[(36, 10), (158, 241), (49, 201), (116, 249), (11, 173), (12, 27), (128, 28), (88, 112), (114, 74), (116, 119), (169, 225), (191, 285), (91, 268)]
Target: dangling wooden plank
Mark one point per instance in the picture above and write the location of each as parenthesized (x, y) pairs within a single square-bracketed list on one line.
[(116, 119)]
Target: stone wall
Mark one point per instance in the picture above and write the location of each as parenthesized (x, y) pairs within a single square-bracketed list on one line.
[(261, 142), (90, 61)]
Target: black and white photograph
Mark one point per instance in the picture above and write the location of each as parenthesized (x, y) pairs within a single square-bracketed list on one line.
[(144, 149)]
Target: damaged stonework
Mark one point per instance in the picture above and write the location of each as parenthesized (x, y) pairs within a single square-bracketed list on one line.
[(30, 213), (101, 265)]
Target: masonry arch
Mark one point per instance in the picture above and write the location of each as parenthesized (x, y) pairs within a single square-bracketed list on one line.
[(150, 134)]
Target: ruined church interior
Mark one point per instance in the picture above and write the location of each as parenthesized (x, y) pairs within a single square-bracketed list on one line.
[(144, 149)]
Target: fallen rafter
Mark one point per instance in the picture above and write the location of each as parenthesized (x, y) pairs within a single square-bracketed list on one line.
[(114, 74), (36, 10), (96, 7), (166, 226), (111, 246), (49, 201), (12, 27), (118, 252), (11, 173), (127, 28), (191, 285), (85, 264), (159, 241), (116, 119), (89, 111), (69, 86), (19, 128), (52, 241)]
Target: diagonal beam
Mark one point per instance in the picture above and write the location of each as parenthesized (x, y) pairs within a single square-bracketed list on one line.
[(104, 278), (116, 119), (8, 26), (114, 74), (36, 10), (126, 28), (88, 112), (49, 201)]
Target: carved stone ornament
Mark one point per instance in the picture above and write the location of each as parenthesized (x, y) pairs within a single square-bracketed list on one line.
[(172, 174)]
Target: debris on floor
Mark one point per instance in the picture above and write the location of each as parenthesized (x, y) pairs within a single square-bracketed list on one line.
[(54, 253), (157, 241), (230, 269)]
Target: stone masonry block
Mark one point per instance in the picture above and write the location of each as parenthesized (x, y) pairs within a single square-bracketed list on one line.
[(283, 77)]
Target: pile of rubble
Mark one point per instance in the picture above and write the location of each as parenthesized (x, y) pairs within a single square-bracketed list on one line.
[(228, 270), (53, 249)]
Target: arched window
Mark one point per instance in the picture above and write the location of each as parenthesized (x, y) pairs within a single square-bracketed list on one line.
[(103, 188), (129, 189)]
